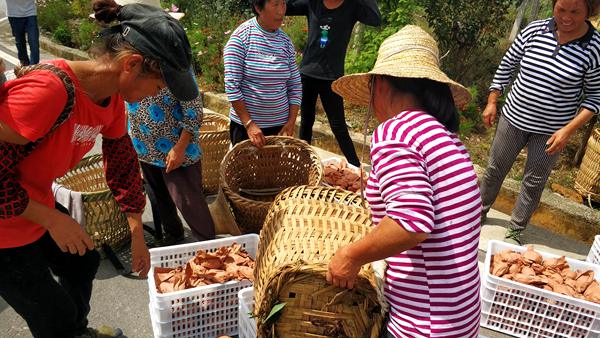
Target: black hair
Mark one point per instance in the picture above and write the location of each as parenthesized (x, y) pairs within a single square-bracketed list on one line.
[(257, 3), (435, 97), (593, 7)]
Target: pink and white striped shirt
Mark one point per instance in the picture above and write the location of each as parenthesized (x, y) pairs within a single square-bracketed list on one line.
[(423, 178)]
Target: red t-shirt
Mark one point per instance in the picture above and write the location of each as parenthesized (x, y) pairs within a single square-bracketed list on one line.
[(30, 106)]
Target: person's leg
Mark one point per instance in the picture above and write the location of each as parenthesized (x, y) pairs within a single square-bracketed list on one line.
[(334, 108), (537, 170), (507, 144), (237, 133), (28, 287), (172, 226), (75, 274), (17, 26), (185, 188), (158, 235), (308, 108), (33, 38)]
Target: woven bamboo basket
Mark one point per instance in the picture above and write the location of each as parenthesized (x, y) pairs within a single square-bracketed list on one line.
[(252, 177), (104, 222), (587, 182), (214, 142), (298, 239)]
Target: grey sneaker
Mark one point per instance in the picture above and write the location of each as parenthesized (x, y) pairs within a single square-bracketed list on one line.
[(102, 332), (513, 236)]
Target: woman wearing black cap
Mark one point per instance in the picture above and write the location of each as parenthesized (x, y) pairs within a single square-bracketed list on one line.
[(145, 52)]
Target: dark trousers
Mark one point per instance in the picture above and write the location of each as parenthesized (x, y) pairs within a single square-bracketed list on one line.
[(334, 108), (26, 26), (238, 133), (51, 309), (180, 189)]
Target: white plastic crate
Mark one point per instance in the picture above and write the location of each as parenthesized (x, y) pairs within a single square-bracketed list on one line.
[(246, 323), (202, 312), (594, 254), (526, 311)]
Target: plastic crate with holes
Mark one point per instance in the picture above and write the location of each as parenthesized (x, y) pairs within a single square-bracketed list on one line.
[(202, 312), (527, 311), (594, 254), (246, 323)]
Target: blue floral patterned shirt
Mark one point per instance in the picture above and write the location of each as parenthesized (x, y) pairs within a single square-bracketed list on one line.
[(155, 125)]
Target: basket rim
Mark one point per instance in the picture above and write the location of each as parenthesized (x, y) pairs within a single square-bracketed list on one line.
[(226, 120), (225, 185), (85, 162)]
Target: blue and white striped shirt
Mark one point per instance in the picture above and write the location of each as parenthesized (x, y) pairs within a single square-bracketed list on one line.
[(261, 70), (553, 80)]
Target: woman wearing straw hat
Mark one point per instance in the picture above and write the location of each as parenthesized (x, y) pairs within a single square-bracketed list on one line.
[(555, 92), (422, 192)]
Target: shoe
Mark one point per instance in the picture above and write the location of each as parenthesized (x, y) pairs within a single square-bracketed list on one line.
[(102, 332), (168, 240), (513, 236)]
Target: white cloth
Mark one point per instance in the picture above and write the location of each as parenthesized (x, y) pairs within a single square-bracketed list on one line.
[(20, 8), (72, 200)]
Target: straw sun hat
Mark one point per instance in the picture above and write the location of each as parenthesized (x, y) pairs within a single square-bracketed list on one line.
[(410, 53)]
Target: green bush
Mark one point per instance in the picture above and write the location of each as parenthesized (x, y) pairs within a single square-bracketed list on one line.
[(394, 15), (62, 34), (53, 13), (86, 34)]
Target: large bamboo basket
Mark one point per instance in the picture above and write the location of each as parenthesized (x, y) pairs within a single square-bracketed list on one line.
[(104, 221), (214, 142), (252, 177), (587, 182), (298, 239)]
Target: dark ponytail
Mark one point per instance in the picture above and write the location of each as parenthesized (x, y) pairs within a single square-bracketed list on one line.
[(435, 97), (106, 10)]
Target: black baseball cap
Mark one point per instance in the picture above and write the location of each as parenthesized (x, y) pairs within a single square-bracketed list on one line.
[(159, 36)]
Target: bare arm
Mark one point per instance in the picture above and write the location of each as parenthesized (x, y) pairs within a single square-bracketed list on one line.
[(387, 239)]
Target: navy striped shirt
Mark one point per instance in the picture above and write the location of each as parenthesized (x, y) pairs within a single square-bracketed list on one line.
[(553, 80), (261, 70)]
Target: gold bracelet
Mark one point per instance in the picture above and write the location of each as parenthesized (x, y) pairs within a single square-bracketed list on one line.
[(248, 123)]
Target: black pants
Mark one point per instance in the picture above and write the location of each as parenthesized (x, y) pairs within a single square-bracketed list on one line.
[(238, 133), (180, 189), (334, 108), (51, 309)]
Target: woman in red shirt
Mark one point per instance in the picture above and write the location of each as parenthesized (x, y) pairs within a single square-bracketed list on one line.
[(146, 51)]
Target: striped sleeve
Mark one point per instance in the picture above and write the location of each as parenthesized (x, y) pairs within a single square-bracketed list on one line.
[(511, 59), (294, 84), (234, 54), (591, 88), (404, 184)]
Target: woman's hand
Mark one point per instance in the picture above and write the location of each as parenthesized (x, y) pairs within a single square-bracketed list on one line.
[(256, 135), (175, 158), (140, 257), (558, 141), (68, 234), (288, 129), (343, 269), (489, 114)]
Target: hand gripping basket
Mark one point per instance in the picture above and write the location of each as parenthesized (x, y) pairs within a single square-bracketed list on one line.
[(104, 221), (587, 182), (301, 234), (214, 142), (252, 177)]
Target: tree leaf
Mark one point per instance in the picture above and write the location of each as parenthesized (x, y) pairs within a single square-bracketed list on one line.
[(277, 308)]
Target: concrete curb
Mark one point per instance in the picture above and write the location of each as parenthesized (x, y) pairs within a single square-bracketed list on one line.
[(62, 51), (554, 213)]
